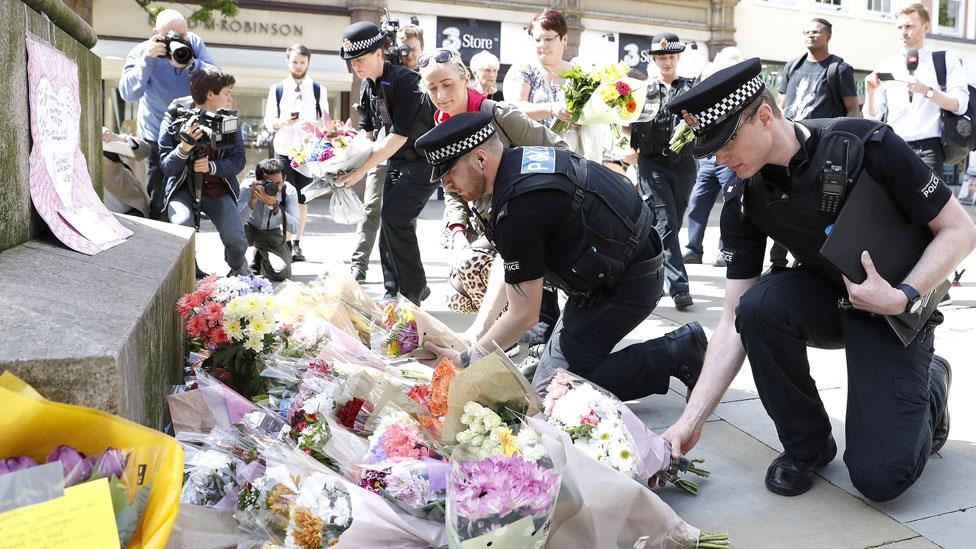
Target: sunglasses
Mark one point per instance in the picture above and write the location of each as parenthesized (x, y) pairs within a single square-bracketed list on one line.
[(440, 56), (743, 120)]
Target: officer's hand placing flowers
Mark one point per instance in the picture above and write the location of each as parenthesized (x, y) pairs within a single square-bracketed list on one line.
[(443, 352), (875, 295)]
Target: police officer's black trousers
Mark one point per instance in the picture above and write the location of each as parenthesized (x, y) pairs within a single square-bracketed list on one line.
[(892, 407), (670, 184), (405, 192), (584, 338)]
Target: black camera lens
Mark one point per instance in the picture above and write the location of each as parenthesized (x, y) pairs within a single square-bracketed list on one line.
[(181, 53), (270, 187)]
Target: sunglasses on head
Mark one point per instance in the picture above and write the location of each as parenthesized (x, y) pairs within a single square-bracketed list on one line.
[(440, 56)]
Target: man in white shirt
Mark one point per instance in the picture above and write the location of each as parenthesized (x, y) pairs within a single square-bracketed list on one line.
[(294, 100), (911, 103)]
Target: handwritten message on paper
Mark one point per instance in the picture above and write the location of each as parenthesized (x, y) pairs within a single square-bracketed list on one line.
[(81, 519)]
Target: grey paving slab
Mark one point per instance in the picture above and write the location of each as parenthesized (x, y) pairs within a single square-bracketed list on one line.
[(734, 500), (956, 530), (915, 543)]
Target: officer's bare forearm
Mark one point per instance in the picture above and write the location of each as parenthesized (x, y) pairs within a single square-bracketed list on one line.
[(387, 148), (955, 238), (723, 359), (524, 300), (495, 298)]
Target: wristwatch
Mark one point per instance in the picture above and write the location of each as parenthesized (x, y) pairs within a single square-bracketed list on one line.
[(930, 92), (914, 299)]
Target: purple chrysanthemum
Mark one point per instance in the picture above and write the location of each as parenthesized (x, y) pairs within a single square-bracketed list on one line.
[(499, 486)]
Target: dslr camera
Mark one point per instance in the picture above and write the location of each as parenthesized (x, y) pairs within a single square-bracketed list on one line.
[(219, 128), (270, 187), (178, 48), (391, 51)]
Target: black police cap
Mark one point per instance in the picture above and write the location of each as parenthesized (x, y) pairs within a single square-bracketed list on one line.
[(713, 107), (453, 138), (359, 39), (666, 42)]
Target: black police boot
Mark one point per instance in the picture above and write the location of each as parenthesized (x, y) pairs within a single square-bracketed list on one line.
[(296, 253), (791, 477), (691, 258), (358, 273), (941, 374), (682, 301), (686, 351), (256, 264)]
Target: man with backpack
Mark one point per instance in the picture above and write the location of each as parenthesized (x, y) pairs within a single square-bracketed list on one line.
[(294, 100), (818, 84), (907, 93)]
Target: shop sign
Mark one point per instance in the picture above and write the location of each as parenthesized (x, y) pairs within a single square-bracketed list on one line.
[(249, 27), (469, 36)]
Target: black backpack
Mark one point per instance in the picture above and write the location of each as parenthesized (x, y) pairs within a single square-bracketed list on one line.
[(958, 131), (833, 77), (316, 92)]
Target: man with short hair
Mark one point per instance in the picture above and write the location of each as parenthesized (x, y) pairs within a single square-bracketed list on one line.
[(911, 103), (818, 84), (411, 36), (153, 77), (294, 100), (269, 207), (897, 412), (188, 151)]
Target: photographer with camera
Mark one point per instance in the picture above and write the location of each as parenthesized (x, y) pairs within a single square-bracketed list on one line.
[(269, 208), (201, 153), (412, 39), (155, 73), (392, 101)]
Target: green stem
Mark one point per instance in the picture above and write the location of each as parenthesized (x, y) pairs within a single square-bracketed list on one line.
[(713, 541), (559, 127)]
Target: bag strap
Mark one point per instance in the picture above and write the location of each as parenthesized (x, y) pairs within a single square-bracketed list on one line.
[(279, 91), (833, 80), (939, 60), (317, 93)]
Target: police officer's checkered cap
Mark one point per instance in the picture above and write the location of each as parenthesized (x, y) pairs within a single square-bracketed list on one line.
[(458, 148), (360, 45), (728, 105), (671, 43)]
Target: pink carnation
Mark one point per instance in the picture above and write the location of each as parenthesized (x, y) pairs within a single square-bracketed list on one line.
[(590, 419), (622, 87)]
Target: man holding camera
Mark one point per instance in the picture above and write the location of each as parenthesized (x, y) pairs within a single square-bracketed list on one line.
[(269, 209), (294, 100), (156, 72), (392, 100), (197, 146)]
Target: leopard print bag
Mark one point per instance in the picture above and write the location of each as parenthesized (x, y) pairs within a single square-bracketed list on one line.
[(469, 281)]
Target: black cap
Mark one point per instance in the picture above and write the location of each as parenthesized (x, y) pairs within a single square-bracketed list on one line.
[(359, 39), (712, 108), (666, 42), (453, 138)]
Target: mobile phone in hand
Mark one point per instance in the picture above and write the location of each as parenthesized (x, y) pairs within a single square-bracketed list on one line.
[(885, 76)]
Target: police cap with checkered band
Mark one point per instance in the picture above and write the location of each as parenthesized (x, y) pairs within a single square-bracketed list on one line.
[(359, 39), (712, 108), (666, 42), (453, 138)]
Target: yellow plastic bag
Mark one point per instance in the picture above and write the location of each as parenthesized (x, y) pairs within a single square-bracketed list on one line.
[(31, 425)]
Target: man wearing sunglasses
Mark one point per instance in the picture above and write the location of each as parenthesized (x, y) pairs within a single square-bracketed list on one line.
[(392, 103), (897, 395)]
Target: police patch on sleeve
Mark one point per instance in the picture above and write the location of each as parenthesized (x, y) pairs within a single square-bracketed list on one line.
[(728, 256), (928, 189), (538, 160), (512, 266)]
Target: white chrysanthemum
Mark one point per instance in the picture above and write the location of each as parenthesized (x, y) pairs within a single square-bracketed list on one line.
[(528, 444), (604, 432), (623, 459), (321, 403), (233, 330), (258, 327), (254, 344)]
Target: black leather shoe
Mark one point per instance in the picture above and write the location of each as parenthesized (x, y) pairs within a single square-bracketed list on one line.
[(296, 253), (791, 477), (686, 350), (358, 274), (682, 301), (691, 258), (941, 433)]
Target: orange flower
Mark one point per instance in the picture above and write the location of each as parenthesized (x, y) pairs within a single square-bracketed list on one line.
[(631, 105), (440, 384)]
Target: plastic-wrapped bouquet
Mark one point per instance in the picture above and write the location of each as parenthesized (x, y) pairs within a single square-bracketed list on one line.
[(319, 144), (415, 485), (398, 435), (601, 95), (404, 328), (251, 325), (203, 308)]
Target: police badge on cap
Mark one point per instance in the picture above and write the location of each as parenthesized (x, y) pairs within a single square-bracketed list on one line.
[(452, 139), (666, 42), (713, 107), (359, 39)]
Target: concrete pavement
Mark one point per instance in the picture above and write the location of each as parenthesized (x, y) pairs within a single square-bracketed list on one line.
[(739, 440)]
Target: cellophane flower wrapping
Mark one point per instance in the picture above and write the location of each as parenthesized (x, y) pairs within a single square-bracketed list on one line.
[(328, 150), (503, 492), (603, 427), (202, 309), (403, 328), (417, 486)]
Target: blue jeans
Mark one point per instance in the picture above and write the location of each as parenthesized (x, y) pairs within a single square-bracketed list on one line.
[(583, 341), (712, 178), (223, 212)]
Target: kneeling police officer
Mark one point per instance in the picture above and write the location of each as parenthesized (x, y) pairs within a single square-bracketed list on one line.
[(557, 216), (897, 395)]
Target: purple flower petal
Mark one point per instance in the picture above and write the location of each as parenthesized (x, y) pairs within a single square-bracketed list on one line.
[(14, 464), (76, 467)]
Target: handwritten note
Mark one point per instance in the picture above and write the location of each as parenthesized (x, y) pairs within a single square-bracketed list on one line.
[(81, 519)]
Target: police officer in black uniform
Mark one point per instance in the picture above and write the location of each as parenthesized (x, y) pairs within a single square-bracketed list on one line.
[(391, 99), (557, 216), (897, 395), (666, 176)]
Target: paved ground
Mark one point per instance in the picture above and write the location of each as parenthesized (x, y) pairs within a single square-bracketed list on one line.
[(739, 441)]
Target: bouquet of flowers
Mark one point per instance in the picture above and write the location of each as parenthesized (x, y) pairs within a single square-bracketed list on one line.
[(433, 396), (416, 486), (251, 324), (681, 137), (202, 309), (607, 431), (601, 95), (404, 328), (398, 435)]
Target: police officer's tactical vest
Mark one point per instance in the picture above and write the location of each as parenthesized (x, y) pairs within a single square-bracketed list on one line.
[(655, 135), (801, 220), (616, 223), (383, 118)]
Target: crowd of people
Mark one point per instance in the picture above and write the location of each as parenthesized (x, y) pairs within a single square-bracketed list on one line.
[(535, 218)]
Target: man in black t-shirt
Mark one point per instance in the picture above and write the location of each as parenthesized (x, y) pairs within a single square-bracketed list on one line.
[(818, 84), (392, 100), (897, 395), (581, 226)]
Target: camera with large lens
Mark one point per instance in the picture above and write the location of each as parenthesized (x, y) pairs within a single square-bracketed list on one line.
[(219, 128), (178, 48), (393, 52), (270, 187)]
